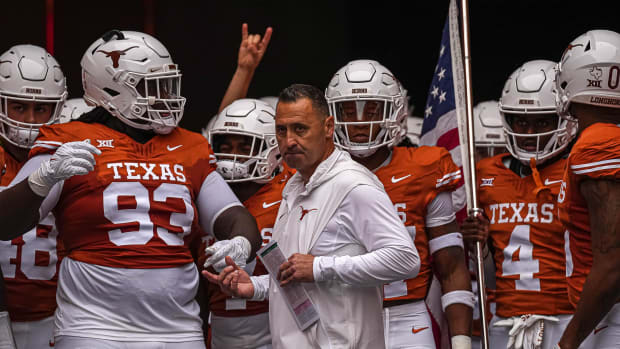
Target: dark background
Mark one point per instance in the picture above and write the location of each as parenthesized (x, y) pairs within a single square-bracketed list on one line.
[(311, 39)]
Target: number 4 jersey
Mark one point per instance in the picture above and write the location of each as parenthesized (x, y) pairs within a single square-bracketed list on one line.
[(527, 238), (30, 262)]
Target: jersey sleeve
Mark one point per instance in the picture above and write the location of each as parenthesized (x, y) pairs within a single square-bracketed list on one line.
[(597, 160), (449, 175), (49, 139)]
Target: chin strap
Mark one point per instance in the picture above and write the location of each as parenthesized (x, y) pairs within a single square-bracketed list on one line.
[(542, 191)]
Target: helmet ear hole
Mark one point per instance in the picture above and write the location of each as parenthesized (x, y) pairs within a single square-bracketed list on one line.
[(111, 92)]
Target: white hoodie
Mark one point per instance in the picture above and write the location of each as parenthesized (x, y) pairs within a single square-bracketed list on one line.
[(344, 218)]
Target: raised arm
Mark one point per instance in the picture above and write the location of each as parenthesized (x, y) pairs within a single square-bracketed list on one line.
[(251, 52)]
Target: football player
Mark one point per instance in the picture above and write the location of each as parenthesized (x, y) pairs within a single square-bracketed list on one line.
[(489, 133), (245, 146), (127, 187), (587, 82), (518, 193), (32, 92), (367, 103)]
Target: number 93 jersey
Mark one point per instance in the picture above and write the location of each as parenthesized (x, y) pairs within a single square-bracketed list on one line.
[(412, 180), (595, 155), (136, 208), (30, 262), (527, 238)]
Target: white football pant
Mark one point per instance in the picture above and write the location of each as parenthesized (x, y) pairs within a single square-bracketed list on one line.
[(606, 334), (71, 342), (34, 334), (408, 326), (240, 332)]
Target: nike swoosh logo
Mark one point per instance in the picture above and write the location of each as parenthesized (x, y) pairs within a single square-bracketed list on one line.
[(416, 330), (396, 180), (548, 182), (266, 205), (597, 330), (173, 148)]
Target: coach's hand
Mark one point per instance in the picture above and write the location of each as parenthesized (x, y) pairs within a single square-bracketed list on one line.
[(70, 159), (297, 268), (232, 280)]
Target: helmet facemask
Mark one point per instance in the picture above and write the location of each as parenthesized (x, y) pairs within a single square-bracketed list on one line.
[(365, 124), (23, 134), (559, 138), (158, 104), (256, 162)]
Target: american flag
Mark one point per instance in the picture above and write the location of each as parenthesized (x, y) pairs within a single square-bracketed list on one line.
[(445, 104)]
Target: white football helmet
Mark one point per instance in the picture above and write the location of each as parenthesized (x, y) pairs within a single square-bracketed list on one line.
[(209, 127), (271, 100), (29, 74), (414, 129), (589, 72), (133, 77), (488, 126), (72, 109), (362, 81), (255, 120), (530, 90)]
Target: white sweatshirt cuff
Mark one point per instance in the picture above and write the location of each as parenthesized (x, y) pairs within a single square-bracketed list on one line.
[(261, 287), (323, 268)]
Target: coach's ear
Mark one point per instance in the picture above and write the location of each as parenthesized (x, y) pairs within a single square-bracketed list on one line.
[(329, 127)]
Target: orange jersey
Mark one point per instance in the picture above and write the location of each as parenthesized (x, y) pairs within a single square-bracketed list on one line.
[(595, 155), (412, 179), (264, 206), (136, 208), (30, 262), (527, 237)]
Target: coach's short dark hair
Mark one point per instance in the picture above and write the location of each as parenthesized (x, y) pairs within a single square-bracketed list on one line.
[(298, 91)]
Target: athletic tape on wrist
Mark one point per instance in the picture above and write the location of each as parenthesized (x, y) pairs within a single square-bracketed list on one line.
[(36, 184), (446, 240), (459, 296), (460, 342)]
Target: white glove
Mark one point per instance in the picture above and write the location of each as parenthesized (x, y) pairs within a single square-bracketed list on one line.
[(526, 330), (238, 248), (6, 335), (70, 159)]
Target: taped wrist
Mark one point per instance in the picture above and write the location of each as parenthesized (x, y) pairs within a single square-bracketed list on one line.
[(460, 342), (245, 244), (446, 240), (38, 184), (459, 296)]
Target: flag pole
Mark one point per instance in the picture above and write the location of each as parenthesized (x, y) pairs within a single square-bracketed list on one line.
[(471, 180)]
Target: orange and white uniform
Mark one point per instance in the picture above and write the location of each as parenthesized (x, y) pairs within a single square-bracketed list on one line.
[(413, 178), (528, 244), (30, 266), (240, 323), (595, 155), (129, 275)]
